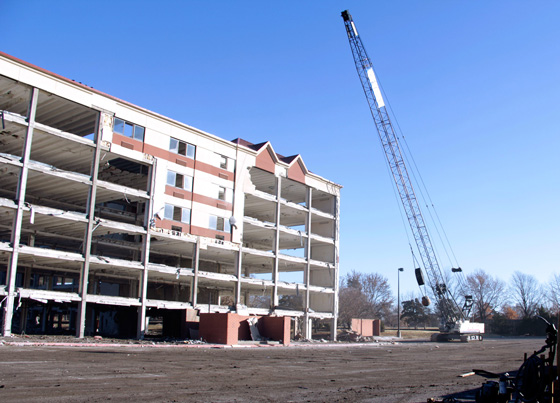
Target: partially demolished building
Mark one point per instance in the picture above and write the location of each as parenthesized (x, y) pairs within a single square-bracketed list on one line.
[(112, 215)]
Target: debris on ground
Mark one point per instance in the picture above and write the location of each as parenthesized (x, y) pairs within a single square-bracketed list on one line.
[(67, 339), (352, 336)]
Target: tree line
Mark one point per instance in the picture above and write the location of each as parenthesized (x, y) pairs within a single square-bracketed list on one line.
[(505, 308)]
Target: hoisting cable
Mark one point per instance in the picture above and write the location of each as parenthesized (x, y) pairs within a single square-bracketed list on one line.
[(431, 205), (433, 281), (424, 194), (397, 199), (416, 264), (405, 155), (406, 227)]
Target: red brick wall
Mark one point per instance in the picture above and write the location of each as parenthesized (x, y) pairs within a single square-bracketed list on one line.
[(295, 172), (376, 327), (265, 161), (229, 328), (357, 326), (276, 328), (127, 142), (213, 328), (366, 327)]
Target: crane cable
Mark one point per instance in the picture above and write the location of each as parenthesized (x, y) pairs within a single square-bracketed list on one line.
[(415, 262), (423, 189), (431, 207), (398, 201), (415, 171)]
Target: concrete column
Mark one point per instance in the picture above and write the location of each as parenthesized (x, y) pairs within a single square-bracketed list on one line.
[(275, 277), (143, 283), (16, 227), (246, 294), (307, 275), (334, 324), (84, 274), (26, 284), (194, 288), (238, 265)]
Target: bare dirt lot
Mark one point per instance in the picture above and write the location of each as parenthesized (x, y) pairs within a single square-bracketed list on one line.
[(406, 371)]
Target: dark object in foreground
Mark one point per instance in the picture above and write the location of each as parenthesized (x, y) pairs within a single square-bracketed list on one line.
[(531, 383)]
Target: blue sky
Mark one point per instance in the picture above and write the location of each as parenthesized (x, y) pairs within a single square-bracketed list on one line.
[(474, 86)]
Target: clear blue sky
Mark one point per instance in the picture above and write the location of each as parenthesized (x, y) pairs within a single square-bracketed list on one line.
[(475, 87)]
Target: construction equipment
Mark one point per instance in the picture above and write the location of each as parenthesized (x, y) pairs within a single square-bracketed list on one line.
[(532, 382), (454, 318)]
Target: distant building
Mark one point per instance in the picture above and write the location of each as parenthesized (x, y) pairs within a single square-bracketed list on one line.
[(111, 214)]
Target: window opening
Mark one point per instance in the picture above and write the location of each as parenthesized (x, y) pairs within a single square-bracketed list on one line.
[(219, 224), (223, 193), (186, 215), (168, 212), (128, 129), (188, 183), (179, 180), (223, 162), (182, 148), (176, 213)]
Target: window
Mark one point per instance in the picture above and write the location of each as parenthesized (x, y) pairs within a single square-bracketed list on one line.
[(179, 180), (219, 224), (128, 129), (139, 132), (188, 183), (168, 212), (175, 213), (223, 193), (213, 222), (223, 162), (181, 148), (186, 215)]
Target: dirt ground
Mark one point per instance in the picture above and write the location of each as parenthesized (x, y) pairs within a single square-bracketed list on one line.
[(382, 371)]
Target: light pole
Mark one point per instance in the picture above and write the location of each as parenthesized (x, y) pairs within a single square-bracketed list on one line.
[(399, 301)]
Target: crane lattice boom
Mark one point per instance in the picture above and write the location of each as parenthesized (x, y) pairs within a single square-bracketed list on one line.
[(450, 309)]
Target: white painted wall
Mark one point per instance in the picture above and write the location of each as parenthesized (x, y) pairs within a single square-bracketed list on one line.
[(323, 277), (321, 302), (324, 253)]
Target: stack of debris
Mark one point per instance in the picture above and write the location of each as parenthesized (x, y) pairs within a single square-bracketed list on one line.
[(352, 336)]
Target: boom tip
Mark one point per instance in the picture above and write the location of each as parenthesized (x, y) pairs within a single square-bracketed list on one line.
[(346, 15)]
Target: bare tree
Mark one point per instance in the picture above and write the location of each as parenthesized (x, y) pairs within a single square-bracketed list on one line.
[(455, 283), (554, 293), (526, 293), (366, 296), (352, 303), (378, 293), (488, 293)]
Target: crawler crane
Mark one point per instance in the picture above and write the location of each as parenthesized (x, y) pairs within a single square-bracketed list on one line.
[(454, 318)]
